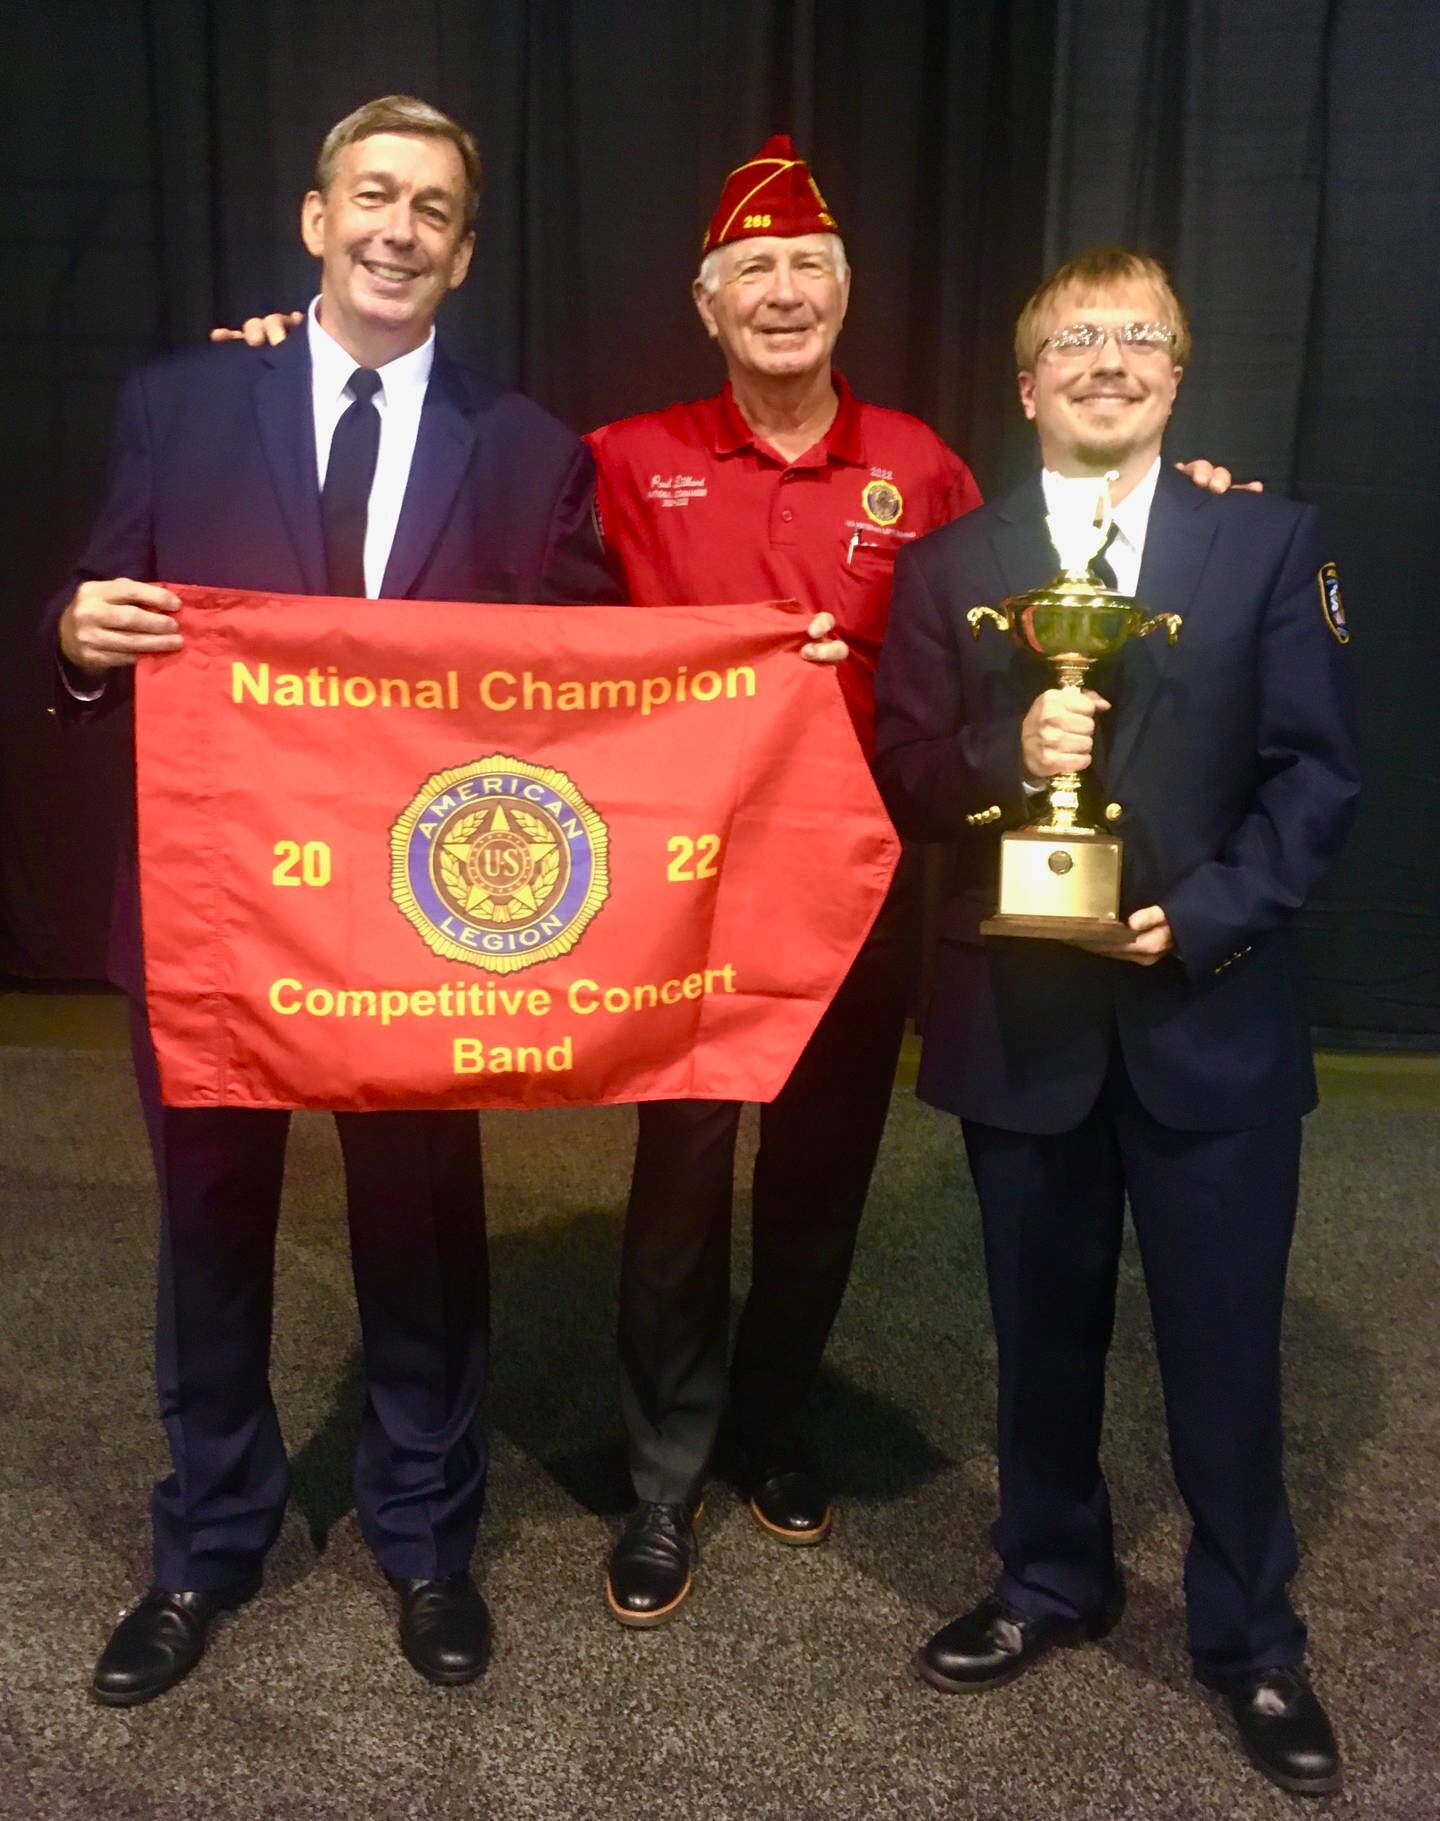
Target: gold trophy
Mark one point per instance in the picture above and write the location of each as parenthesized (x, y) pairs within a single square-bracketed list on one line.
[(1060, 878)]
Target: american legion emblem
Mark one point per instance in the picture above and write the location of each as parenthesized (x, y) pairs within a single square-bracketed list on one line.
[(500, 863), (883, 503)]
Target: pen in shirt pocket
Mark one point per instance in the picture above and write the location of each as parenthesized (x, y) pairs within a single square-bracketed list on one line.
[(858, 541)]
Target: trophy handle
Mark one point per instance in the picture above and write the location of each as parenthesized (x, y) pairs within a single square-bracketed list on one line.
[(978, 615), (1172, 623)]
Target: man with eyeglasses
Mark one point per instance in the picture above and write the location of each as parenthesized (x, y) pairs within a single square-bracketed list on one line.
[(1173, 1070)]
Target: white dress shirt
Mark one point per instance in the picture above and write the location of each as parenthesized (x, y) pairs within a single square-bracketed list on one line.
[(399, 400), (1132, 517)]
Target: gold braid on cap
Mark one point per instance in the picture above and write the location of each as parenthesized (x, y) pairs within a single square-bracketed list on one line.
[(780, 166)]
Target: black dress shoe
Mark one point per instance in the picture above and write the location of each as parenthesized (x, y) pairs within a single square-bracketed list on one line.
[(993, 1644), (791, 1502), (444, 1627), (161, 1640), (652, 1567), (1286, 1733)]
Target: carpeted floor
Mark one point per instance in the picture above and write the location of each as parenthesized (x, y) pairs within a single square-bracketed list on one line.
[(784, 1688)]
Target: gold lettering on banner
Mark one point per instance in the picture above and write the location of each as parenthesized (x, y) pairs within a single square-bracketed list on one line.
[(259, 685), (386, 1005), (472, 1057), (329, 688), (586, 996), (703, 851)]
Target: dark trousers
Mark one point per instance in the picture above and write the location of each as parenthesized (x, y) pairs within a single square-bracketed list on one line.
[(1213, 1214), (418, 1252), (818, 1142)]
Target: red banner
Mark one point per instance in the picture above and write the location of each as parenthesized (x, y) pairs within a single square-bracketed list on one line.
[(405, 853)]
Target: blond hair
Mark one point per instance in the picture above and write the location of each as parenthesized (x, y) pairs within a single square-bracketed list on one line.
[(400, 114), (1093, 273)]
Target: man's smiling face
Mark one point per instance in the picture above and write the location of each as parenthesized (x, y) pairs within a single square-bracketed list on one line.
[(1104, 407), (778, 306), (391, 235)]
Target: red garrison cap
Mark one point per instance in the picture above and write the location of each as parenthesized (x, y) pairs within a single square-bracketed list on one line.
[(773, 194)]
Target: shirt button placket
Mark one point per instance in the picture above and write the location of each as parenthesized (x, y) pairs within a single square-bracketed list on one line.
[(782, 515)]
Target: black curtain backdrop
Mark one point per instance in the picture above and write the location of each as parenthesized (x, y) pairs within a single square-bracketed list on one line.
[(1283, 156)]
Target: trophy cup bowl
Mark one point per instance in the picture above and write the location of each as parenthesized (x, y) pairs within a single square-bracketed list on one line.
[(1078, 622), (1060, 877)]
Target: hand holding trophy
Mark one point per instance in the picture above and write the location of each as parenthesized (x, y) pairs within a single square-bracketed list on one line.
[(1060, 877)]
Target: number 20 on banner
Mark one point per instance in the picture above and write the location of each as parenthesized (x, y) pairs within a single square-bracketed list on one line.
[(299, 863)]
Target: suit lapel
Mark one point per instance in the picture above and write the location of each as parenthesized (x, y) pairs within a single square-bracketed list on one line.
[(1177, 542), (1022, 543), (448, 429), (286, 421)]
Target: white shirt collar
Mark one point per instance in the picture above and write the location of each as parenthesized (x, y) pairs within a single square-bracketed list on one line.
[(404, 377), (1132, 515)]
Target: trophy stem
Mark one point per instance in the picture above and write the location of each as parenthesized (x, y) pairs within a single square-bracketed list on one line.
[(1070, 673), (1064, 806)]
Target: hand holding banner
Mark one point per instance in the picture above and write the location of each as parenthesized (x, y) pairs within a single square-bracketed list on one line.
[(405, 853)]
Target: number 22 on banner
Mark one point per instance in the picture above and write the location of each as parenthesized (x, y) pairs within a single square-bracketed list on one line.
[(692, 860), (313, 860)]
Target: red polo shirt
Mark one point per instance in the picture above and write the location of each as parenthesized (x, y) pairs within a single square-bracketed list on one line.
[(697, 512)]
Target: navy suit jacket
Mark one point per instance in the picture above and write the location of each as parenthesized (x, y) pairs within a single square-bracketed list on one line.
[(213, 480), (1232, 760)]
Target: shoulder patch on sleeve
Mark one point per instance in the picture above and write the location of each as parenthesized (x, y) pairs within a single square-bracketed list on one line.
[(1331, 604)]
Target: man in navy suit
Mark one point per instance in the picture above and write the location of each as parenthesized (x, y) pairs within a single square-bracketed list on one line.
[(1173, 1069), (356, 459)]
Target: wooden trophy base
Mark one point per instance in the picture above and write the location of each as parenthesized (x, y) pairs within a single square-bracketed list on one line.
[(1092, 931)]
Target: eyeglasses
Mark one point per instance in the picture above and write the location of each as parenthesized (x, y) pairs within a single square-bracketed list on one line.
[(1145, 340)]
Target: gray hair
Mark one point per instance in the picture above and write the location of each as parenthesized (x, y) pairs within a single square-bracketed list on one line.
[(710, 264)]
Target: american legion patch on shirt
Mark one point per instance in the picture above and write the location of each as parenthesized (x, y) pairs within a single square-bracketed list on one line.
[(1331, 604)]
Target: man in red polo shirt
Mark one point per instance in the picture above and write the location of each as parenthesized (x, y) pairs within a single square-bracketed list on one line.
[(783, 484)]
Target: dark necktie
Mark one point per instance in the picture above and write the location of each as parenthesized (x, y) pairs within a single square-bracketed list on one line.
[(1100, 565), (345, 497)]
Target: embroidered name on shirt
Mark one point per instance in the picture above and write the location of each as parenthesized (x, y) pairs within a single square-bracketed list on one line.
[(676, 489), (874, 535)]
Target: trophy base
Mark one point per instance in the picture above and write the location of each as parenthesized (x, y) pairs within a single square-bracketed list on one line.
[(1069, 878), (1092, 931)]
